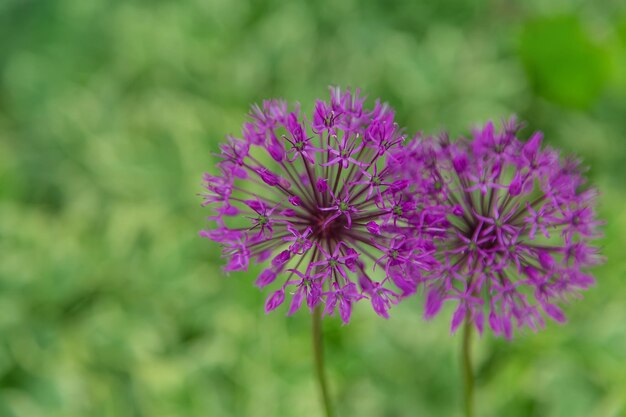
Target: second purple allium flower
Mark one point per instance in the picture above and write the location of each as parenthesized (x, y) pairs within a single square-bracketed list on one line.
[(316, 198), (516, 222)]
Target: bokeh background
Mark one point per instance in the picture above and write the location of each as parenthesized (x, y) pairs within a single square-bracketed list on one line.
[(111, 305)]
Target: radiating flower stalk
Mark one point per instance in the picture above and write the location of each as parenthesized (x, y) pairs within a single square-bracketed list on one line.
[(517, 222), (341, 210)]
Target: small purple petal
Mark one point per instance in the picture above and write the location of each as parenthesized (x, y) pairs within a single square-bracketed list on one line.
[(281, 258), (266, 277), (296, 301), (373, 228), (555, 312), (458, 316), (275, 300), (434, 301), (345, 310), (322, 185), (268, 177)]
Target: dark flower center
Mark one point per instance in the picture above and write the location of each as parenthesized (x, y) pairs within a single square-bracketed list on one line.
[(324, 229)]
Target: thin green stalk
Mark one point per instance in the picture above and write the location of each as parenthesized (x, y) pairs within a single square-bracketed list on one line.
[(468, 377), (318, 353)]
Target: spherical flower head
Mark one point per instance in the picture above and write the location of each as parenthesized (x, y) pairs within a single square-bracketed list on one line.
[(515, 222), (320, 205)]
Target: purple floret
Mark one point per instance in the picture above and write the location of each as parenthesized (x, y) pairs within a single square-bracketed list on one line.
[(320, 205), (514, 225)]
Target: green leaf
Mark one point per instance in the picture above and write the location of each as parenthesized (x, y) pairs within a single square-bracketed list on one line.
[(562, 62)]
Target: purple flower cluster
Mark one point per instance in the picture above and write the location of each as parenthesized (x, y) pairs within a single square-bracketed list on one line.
[(341, 210), (318, 200), (516, 222)]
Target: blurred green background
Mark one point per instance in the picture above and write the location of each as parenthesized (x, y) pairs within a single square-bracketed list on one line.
[(111, 305)]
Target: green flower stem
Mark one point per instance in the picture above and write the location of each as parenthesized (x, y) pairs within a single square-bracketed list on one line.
[(318, 353), (468, 377)]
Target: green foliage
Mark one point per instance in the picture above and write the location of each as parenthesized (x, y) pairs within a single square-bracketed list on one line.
[(563, 62), (111, 305)]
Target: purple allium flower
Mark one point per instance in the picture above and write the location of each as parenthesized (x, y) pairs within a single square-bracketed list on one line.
[(516, 222), (319, 202)]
